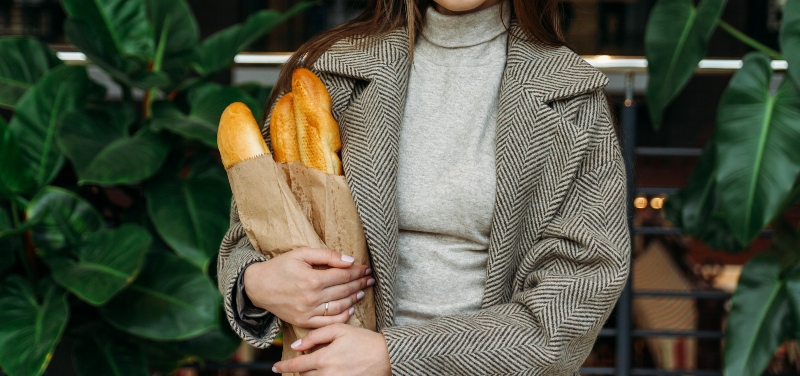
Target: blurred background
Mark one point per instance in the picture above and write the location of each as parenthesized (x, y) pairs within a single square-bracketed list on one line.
[(671, 321)]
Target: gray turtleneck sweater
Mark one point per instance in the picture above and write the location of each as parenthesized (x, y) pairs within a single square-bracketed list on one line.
[(446, 175)]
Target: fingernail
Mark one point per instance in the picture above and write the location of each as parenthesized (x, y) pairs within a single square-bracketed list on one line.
[(368, 272), (347, 258), (296, 343), (274, 370), (352, 310), (360, 295), (370, 282)]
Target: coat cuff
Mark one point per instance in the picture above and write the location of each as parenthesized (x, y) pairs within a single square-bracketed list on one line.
[(259, 329)]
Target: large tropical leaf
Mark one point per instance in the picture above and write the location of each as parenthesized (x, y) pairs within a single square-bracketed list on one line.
[(191, 212), (790, 38), (24, 61), (757, 135), (37, 115), (218, 344), (675, 42), (104, 354), (105, 154), (16, 178), (760, 318), (130, 70), (62, 218), (207, 103), (30, 326), (8, 246), (170, 300), (176, 33), (102, 263), (696, 208), (218, 51), (122, 24)]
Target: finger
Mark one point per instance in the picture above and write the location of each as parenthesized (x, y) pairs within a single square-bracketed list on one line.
[(321, 321), (302, 363), (319, 336), (338, 306), (336, 276), (316, 256), (344, 290)]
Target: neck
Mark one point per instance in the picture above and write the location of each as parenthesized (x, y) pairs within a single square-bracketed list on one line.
[(443, 10)]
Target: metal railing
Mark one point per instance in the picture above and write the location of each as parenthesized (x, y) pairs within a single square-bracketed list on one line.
[(624, 331)]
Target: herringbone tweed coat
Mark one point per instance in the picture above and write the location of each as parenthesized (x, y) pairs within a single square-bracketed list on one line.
[(559, 245)]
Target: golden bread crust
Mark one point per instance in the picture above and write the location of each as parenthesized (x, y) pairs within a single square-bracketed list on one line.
[(317, 130), (283, 131), (239, 136)]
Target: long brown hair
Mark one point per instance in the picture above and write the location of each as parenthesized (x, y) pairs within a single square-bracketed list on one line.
[(539, 19)]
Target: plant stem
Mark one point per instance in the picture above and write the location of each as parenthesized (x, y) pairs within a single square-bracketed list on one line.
[(22, 253), (150, 95), (744, 38)]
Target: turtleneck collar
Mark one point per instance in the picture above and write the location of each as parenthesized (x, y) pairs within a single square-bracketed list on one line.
[(453, 31)]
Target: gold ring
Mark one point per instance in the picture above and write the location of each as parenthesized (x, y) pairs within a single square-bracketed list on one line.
[(326, 309)]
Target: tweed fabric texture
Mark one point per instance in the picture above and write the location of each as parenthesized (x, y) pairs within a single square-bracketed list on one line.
[(559, 251)]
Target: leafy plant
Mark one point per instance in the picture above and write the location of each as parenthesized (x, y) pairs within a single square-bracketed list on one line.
[(111, 211), (749, 173)]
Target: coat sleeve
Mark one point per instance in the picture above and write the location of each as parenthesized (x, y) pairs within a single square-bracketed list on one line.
[(235, 254), (572, 277)]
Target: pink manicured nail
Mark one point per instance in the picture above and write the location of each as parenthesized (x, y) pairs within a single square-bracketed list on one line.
[(368, 272), (370, 282), (274, 370), (360, 295), (352, 310), (296, 343), (347, 258)]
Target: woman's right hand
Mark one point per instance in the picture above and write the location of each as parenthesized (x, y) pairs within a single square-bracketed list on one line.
[(289, 287)]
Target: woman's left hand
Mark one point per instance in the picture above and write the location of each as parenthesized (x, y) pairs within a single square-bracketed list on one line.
[(352, 351)]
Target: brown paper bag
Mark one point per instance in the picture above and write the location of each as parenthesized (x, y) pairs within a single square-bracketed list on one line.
[(287, 206)]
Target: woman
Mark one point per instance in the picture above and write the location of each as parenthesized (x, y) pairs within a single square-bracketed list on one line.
[(487, 174)]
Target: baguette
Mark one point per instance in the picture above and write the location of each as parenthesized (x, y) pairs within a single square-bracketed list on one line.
[(283, 131), (239, 137), (317, 130)]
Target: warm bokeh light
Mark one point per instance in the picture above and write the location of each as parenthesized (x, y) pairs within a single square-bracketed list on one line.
[(640, 202), (657, 203)]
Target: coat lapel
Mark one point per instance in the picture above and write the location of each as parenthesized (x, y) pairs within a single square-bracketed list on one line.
[(370, 130), (537, 150)]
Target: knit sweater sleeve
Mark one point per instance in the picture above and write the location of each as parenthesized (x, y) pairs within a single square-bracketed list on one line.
[(572, 276)]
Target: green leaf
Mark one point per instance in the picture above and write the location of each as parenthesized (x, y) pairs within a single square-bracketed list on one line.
[(171, 300), (37, 114), (120, 24), (30, 327), (175, 21), (8, 246), (102, 264), (757, 135), (218, 344), (207, 104), (130, 70), (259, 93), (107, 155), (16, 178), (696, 208), (191, 213), (790, 38), (218, 51), (24, 61), (759, 320), (64, 218), (101, 354), (675, 42)]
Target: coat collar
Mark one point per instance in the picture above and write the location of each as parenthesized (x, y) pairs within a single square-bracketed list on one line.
[(370, 123)]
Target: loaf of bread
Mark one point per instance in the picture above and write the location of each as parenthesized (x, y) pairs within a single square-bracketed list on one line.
[(239, 137), (283, 131), (317, 131)]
